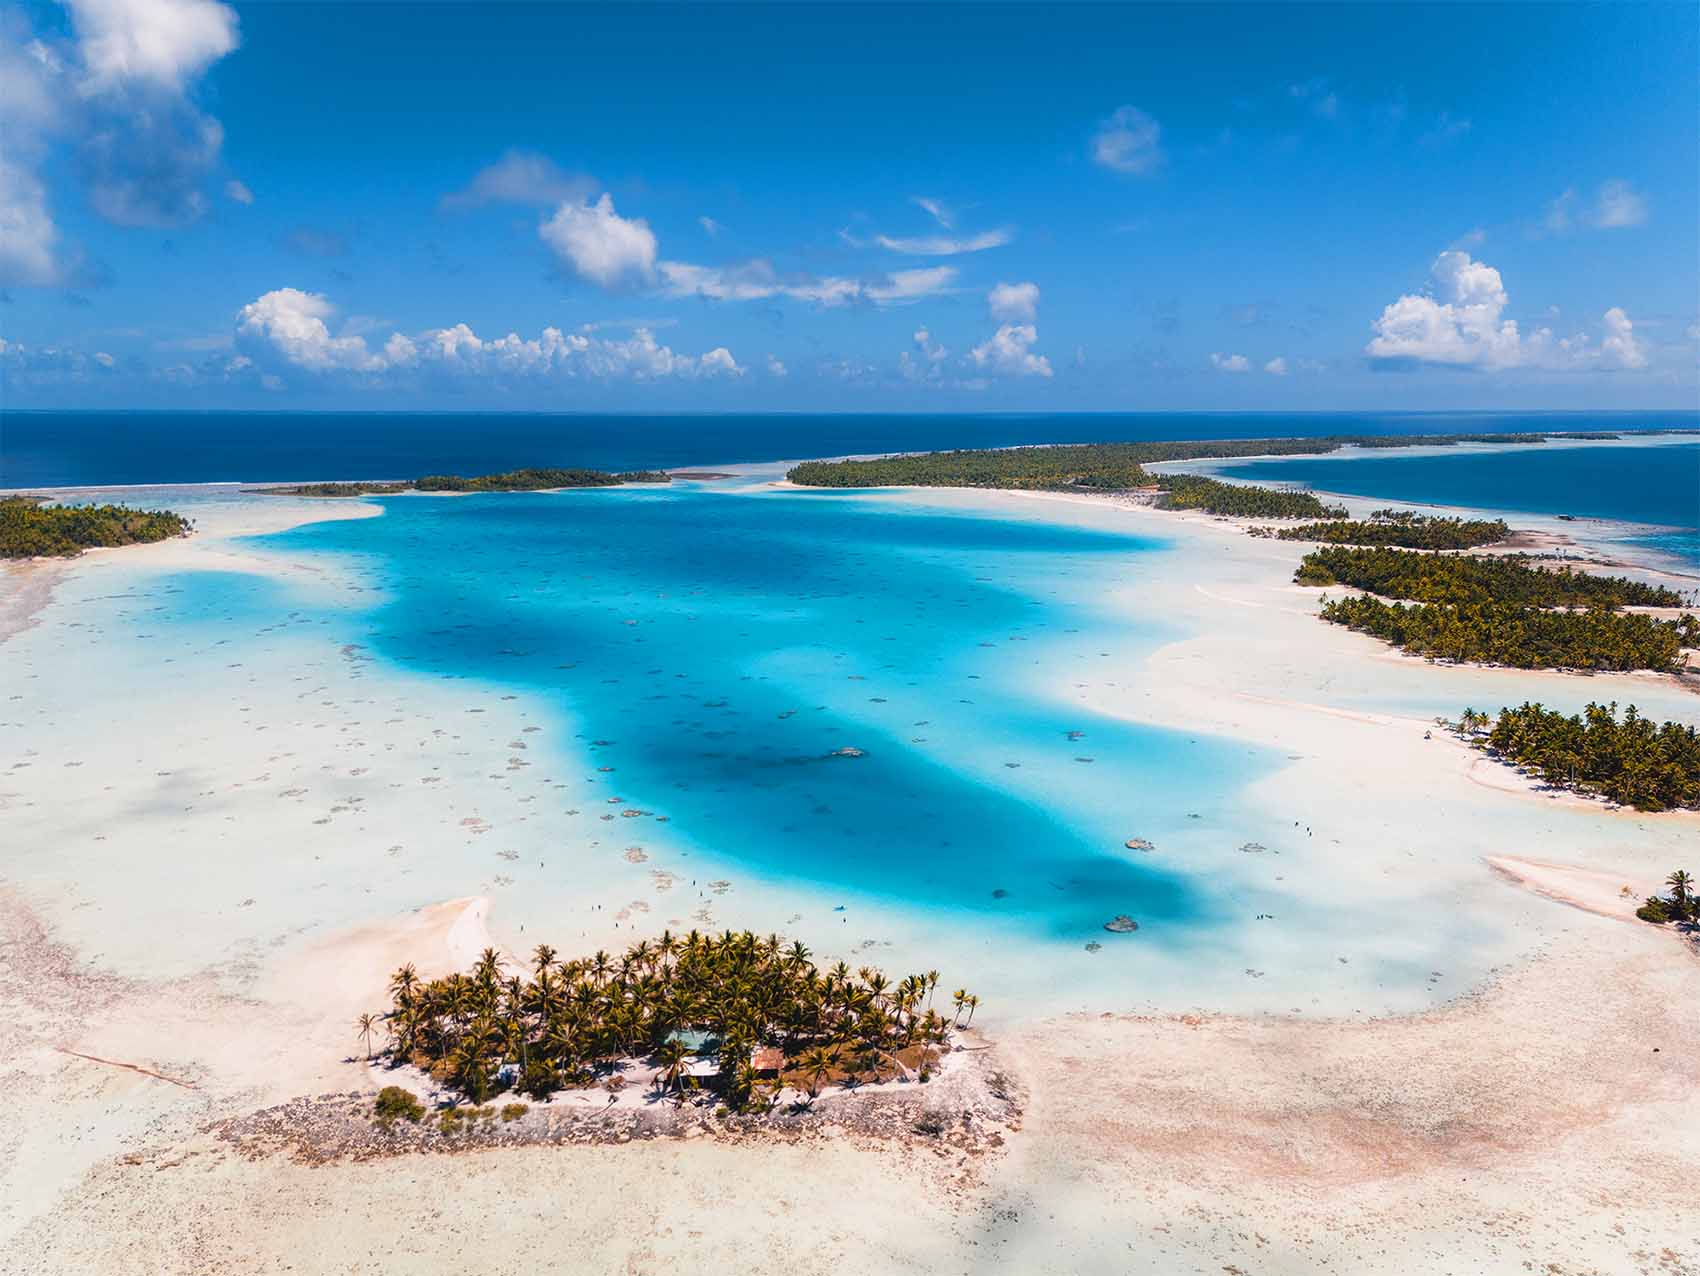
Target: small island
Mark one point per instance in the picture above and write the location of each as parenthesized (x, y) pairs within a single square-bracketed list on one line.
[(731, 1021), (528, 480), (1501, 610), (1398, 527), (29, 528), (1631, 762)]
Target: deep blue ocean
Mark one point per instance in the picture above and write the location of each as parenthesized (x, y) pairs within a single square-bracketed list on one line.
[(1653, 485), (78, 449)]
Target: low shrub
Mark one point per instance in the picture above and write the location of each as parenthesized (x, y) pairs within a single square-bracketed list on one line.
[(1655, 910), (395, 1102)]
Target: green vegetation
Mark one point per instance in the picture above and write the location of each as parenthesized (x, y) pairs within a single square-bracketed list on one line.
[(1115, 466), (1491, 610), (1453, 578), (535, 480), (511, 481), (1100, 466), (1397, 527), (1521, 637), (513, 1111), (396, 1104), (1681, 905), (1449, 440), (1112, 467), (1631, 762), (752, 1005), (1192, 492), (29, 529), (336, 489)]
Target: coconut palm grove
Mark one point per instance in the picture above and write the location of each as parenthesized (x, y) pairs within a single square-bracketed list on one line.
[(721, 1015)]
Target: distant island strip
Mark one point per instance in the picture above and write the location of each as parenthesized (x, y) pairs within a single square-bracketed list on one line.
[(1119, 466), (544, 480)]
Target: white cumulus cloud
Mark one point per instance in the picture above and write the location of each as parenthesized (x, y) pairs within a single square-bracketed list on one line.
[(145, 146), (599, 244), (1621, 348), (1459, 323), (1229, 362), (118, 90), (1129, 141), (292, 323), (1458, 326), (1276, 367), (291, 327), (1012, 303), (28, 237), (238, 192), (1009, 351), (166, 42)]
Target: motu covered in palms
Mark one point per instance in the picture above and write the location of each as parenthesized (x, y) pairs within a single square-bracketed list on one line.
[(726, 1012)]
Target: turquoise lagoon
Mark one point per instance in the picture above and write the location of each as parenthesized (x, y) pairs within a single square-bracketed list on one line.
[(716, 648)]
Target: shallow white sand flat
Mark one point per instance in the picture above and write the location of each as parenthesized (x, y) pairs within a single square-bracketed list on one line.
[(1528, 1122)]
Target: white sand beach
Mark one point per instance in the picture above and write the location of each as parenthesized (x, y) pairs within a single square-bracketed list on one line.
[(219, 862)]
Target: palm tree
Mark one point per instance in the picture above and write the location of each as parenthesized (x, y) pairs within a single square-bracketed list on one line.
[(404, 981), (1681, 889), (672, 1057), (816, 1066), (364, 1026)]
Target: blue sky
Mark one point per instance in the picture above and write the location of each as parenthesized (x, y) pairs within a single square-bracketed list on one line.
[(816, 208)]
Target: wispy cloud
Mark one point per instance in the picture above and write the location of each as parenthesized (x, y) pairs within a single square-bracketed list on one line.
[(1617, 205), (937, 211), (1129, 141), (521, 177), (945, 245), (757, 280)]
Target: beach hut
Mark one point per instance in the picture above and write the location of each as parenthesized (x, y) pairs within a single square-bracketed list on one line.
[(766, 1061)]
